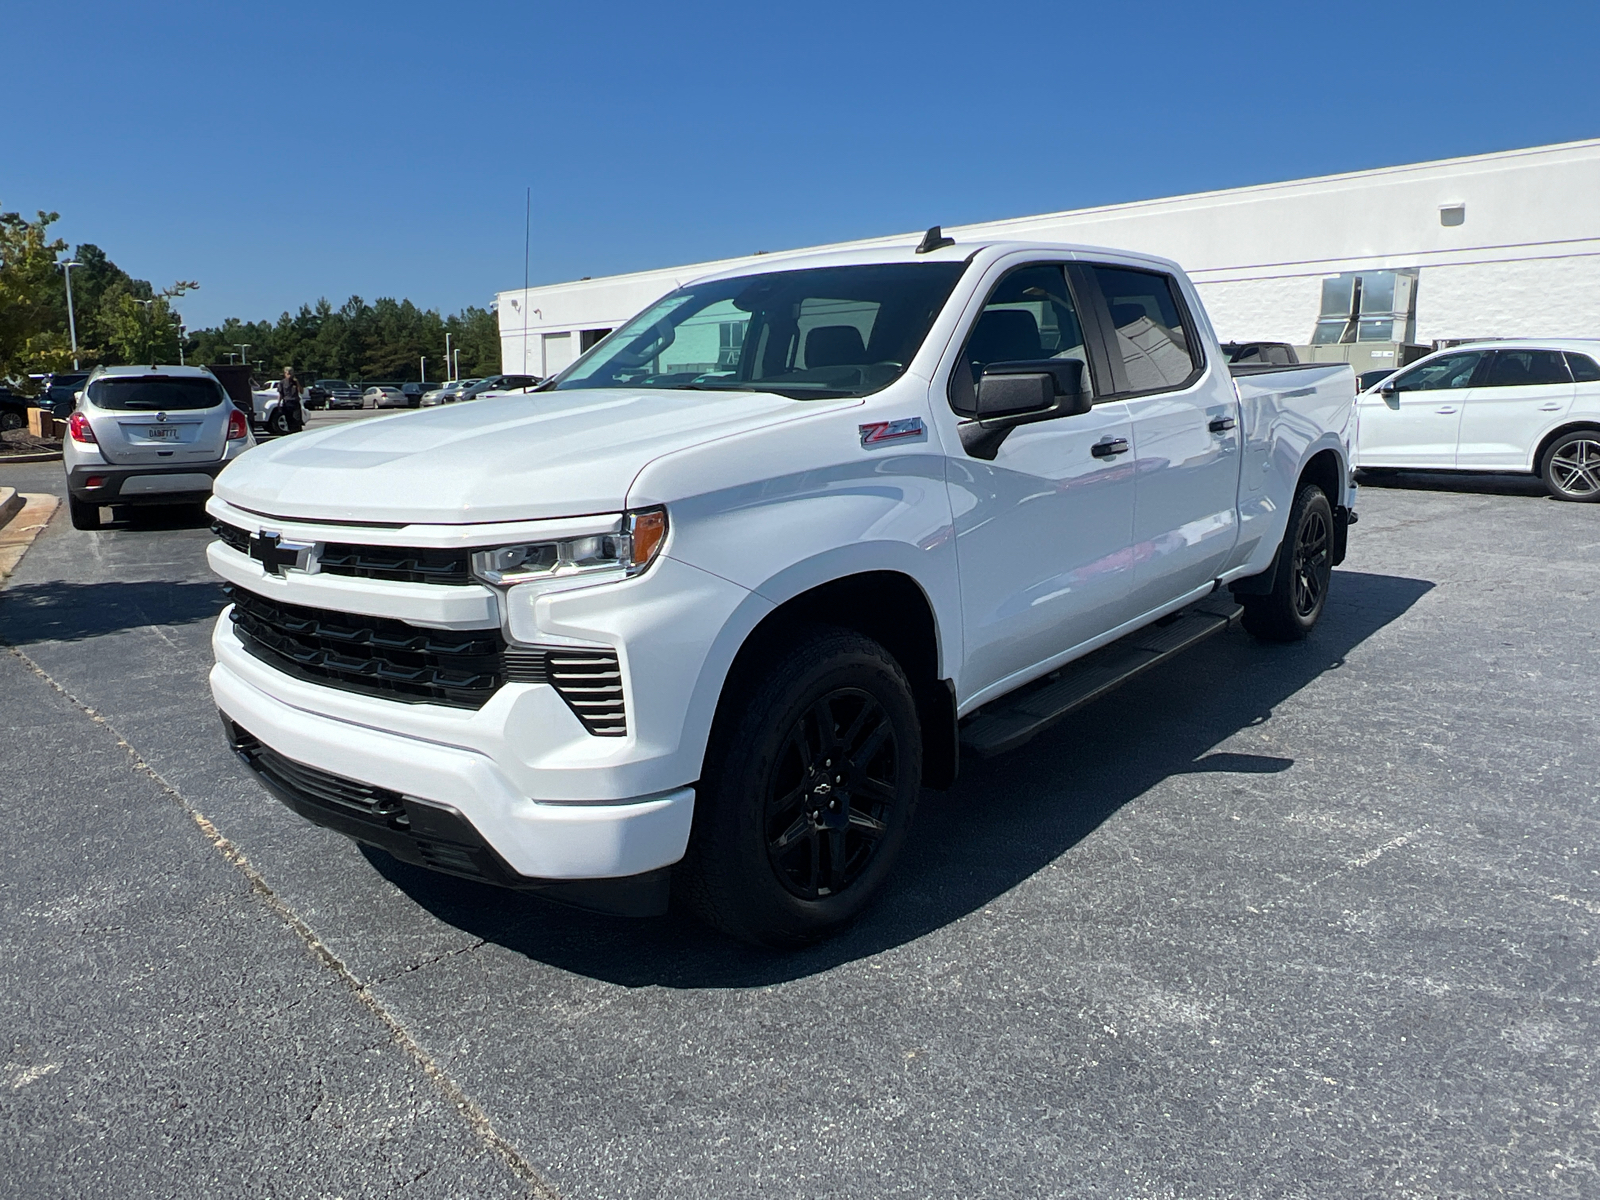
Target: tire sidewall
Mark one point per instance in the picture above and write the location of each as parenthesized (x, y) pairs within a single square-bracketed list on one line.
[(732, 832)]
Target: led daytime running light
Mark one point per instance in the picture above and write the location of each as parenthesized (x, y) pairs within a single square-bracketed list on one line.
[(627, 551)]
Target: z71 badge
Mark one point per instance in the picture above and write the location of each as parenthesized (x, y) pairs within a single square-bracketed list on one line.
[(876, 433)]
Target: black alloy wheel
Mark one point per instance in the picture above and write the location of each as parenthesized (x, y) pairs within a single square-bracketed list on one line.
[(1302, 575), (1310, 568), (830, 794), (810, 784)]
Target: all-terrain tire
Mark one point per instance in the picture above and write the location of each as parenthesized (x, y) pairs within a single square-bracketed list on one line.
[(810, 785), (1571, 467), (1304, 570), (84, 514), (278, 422)]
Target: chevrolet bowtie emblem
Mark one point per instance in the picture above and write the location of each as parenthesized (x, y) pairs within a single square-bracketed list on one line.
[(275, 555)]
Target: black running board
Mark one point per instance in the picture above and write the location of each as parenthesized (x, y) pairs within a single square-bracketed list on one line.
[(1006, 723)]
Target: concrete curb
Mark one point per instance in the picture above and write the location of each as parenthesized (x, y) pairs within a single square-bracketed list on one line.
[(49, 456), (10, 504), (17, 534)]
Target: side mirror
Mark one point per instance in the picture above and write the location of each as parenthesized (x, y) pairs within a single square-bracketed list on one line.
[(1019, 393)]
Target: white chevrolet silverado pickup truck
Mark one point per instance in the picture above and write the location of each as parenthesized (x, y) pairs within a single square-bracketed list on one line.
[(713, 605)]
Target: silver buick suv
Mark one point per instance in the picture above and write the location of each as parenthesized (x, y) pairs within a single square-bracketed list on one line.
[(148, 435)]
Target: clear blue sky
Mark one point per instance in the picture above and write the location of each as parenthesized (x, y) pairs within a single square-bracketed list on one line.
[(280, 152)]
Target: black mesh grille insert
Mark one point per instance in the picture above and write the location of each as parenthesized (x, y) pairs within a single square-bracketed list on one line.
[(375, 804), (380, 657), (408, 565), (232, 536)]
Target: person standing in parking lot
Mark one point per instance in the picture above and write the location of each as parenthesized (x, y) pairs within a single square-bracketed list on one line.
[(289, 393)]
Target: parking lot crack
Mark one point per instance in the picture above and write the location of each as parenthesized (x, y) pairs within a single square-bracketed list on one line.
[(477, 1120)]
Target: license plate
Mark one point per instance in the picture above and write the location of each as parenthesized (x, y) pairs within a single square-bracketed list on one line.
[(161, 433)]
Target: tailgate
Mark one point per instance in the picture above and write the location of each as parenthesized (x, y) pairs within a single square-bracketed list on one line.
[(138, 438)]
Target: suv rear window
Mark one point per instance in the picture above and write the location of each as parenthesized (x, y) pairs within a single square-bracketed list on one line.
[(155, 392)]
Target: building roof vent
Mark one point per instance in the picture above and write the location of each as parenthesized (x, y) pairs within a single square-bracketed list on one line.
[(1452, 214)]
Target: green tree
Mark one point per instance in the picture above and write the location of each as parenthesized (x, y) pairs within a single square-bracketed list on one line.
[(31, 340)]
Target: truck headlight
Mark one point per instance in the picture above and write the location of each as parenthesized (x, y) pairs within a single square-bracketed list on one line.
[(627, 551)]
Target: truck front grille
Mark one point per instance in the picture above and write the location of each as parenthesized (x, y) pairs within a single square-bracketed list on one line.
[(461, 668), (374, 655), (407, 564)]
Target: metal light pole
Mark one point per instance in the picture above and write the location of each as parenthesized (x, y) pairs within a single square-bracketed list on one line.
[(455, 369), (72, 323), (182, 329), (447, 358), (244, 352), (423, 374)]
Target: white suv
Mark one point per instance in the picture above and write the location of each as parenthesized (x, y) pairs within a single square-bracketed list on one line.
[(148, 435), (1525, 407)]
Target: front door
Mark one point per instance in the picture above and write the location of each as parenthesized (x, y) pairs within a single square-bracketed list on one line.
[(1520, 394), (1186, 435), (1415, 421), (1042, 530)]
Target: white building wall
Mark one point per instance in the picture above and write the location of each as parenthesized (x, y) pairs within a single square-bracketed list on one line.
[(1522, 263)]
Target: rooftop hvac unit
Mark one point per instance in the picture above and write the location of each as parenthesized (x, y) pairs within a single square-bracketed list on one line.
[(1368, 306)]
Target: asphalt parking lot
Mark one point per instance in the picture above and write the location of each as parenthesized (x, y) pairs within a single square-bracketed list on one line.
[(1316, 920)]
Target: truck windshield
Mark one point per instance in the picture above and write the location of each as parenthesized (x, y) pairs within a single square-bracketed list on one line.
[(807, 334), (157, 392)]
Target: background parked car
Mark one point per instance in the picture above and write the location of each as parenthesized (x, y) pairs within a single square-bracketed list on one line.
[(448, 393), (13, 410), (339, 394), (59, 392), (149, 435), (497, 384), (1526, 407), (414, 392), (384, 395), (1252, 353)]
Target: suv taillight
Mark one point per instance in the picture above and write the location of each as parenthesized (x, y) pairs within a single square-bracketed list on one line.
[(238, 427), (78, 425)]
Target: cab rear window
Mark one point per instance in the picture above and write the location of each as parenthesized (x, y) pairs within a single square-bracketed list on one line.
[(156, 393)]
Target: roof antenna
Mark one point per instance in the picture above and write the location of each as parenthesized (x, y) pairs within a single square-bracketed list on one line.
[(934, 239)]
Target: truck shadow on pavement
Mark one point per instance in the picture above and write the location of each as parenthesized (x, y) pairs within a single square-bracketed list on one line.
[(1005, 820), (67, 612)]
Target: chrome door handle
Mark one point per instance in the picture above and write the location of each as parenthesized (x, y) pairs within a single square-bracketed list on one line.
[(1109, 447), (1220, 424)]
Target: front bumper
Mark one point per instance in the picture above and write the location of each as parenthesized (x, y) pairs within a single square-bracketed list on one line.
[(537, 841), (429, 835), (149, 483)]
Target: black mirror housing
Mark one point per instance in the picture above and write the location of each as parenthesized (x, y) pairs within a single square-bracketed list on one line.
[(1019, 393)]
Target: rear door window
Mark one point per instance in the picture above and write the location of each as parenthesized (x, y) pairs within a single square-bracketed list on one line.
[(1152, 342), (1527, 368)]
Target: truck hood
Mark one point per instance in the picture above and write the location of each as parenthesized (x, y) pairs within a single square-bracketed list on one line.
[(513, 458)]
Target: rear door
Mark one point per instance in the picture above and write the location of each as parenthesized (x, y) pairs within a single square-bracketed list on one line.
[(1186, 434), (1416, 420), (1521, 392), (1042, 529)]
